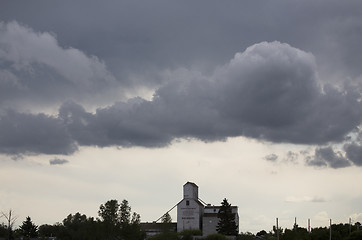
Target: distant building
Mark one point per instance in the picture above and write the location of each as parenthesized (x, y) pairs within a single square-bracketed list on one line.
[(192, 213), (190, 210), (154, 228), (210, 219)]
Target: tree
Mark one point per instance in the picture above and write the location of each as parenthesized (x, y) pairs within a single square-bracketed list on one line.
[(46, 231), (136, 218), (166, 218), (358, 225), (246, 236), (165, 236), (28, 229), (10, 218), (166, 221), (226, 224), (78, 227), (130, 227), (188, 234), (261, 233), (297, 233), (118, 221), (320, 233), (3, 230), (125, 212), (357, 235), (109, 212), (216, 236)]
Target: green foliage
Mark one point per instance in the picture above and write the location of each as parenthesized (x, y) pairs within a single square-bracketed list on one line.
[(108, 227), (125, 225), (166, 236), (296, 234), (110, 219), (226, 224), (166, 221), (216, 236), (357, 235), (188, 234), (339, 232), (28, 229), (118, 221), (183, 235), (108, 212), (245, 236), (125, 212), (136, 218), (192, 232), (166, 218), (3, 230), (46, 231), (261, 233), (78, 226), (319, 233), (10, 219), (279, 230)]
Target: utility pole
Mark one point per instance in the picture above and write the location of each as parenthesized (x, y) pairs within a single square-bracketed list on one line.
[(350, 225), (308, 225), (277, 229), (330, 229)]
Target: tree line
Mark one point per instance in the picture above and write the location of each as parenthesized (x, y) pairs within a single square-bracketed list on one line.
[(336, 231), (116, 221)]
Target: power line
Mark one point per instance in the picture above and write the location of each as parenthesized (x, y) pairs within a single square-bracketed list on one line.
[(167, 212)]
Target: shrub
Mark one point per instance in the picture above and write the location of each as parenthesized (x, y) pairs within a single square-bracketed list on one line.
[(216, 236)]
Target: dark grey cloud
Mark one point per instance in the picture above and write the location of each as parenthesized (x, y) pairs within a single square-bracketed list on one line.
[(22, 133), (326, 156), (292, 157), (17, 157), (35, 69), (59, 54), (271, 157), (354, 153), (137, 40), (272, 89), (268, 92), (142, 37), (58, 161), (123, 124), (316, 162)]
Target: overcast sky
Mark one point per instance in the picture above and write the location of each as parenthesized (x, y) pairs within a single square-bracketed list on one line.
[(255, 101)]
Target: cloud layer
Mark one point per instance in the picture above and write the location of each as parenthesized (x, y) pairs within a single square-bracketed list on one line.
[(35, 69), (271, 92)]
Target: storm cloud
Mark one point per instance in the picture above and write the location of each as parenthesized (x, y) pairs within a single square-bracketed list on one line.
[(138, 37), (35, 69), (354, 153), (269, 92), (58, 161), (22, 133), (328, 157), (290, 75)]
